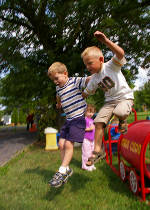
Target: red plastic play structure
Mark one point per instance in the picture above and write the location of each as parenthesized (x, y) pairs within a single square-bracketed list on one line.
[(133, 152)]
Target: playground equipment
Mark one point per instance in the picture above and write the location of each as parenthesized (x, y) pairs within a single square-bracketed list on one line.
[(133, 154)]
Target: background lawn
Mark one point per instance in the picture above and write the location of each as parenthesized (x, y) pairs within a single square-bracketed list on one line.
[(140, 116), (23, 185)]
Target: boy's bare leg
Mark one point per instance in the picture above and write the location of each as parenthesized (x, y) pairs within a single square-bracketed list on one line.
[(98, 137), (63, 174), (62, 148), (68, 153)]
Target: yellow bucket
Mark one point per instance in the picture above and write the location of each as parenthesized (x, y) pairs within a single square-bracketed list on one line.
[(51, 138)]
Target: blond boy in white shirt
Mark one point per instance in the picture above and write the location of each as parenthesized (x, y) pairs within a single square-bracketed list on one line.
[(118, 95)]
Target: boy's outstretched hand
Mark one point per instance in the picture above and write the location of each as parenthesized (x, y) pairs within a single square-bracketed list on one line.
[(114, 47), (100, 36)]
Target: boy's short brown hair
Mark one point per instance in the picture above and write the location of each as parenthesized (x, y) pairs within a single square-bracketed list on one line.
[(92, 51), (57, 67)]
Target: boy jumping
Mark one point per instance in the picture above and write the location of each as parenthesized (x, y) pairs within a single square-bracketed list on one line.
[(118, 95), (69, 97)]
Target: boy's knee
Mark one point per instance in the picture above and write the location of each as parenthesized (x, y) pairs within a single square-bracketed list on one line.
[(99, 125), (68, 144), (61, 145), (122, 116)]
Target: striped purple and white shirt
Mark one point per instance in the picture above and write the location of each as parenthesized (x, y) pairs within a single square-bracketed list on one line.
[(70, 94)]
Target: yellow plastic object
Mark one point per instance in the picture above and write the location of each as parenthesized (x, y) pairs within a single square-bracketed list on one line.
[(51, 139)]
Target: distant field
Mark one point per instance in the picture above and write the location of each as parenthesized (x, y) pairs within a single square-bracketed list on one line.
[(140, 116)]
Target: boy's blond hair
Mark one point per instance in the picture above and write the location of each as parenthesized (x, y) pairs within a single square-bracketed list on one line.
[(57, 67), (92, 51)]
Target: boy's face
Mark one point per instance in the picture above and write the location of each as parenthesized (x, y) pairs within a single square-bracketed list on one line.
[(93, 64), (59, 79)]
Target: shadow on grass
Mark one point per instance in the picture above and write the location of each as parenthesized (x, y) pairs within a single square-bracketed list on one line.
[(76, 162), (76, 181), (115, 183), (42, 172), (2, 207), (53, 192)]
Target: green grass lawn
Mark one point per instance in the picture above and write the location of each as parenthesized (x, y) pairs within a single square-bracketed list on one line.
[(23, 185), (140, 116)]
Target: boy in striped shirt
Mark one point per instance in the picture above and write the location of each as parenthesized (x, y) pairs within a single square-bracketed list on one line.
[(118, 95), (69, 97)]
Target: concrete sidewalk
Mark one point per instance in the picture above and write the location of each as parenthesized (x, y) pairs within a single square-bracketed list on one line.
[(13, 140)]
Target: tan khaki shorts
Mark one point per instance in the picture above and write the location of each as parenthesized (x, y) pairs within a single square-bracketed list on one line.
[(118, 108)]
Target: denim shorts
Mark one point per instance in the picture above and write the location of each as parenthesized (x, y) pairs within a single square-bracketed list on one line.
[(74, 130)]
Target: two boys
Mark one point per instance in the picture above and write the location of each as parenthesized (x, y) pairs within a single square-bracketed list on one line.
[(118, 99)]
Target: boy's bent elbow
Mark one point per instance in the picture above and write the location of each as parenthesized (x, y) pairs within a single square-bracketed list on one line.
[(120, 54)]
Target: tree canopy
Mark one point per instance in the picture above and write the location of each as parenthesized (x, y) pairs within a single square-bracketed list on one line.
[(142, 97), (35, 33)]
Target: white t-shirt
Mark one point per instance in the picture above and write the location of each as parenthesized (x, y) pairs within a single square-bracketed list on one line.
[(111, 80)]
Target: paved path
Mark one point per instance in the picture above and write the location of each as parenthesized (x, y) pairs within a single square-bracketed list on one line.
[(13, 140)]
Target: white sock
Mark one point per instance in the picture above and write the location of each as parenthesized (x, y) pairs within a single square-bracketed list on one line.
[(62, 169), (67, 168)]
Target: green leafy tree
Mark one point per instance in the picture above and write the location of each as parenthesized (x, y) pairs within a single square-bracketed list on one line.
[(145, 93), (138, 100), (1, 114), (14, 116), (142, 97), (22, 117), (36, 33)]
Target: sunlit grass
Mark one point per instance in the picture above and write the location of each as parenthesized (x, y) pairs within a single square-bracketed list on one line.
[(140, 116), (23, 184)]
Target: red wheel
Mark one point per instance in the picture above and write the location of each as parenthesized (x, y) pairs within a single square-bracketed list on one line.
[(133, 179), (122, 170)]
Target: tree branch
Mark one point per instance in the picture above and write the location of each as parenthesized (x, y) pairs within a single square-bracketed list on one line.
[(18, 22), (42, 9)]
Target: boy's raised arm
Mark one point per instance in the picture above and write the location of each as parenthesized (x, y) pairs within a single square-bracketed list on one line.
[(118, 51)]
